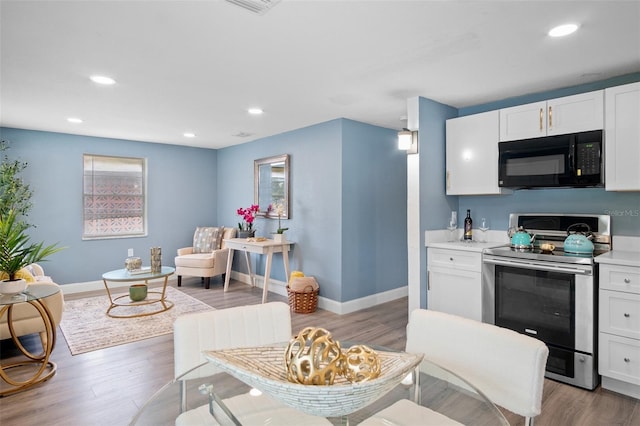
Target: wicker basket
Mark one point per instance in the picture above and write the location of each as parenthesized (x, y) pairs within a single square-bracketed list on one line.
[(303, 302)]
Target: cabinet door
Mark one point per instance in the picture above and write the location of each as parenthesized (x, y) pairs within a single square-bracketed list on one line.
[(569, 114), (523, 122), (619, 358), (620, 313), (622, 138), (455, 292), (577, 113), (472, 155)]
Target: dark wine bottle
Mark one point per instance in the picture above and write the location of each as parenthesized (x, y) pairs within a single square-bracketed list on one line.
[(468, 226)]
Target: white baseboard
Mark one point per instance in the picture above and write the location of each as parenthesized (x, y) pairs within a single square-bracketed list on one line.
[(275, 286), (340, 308)]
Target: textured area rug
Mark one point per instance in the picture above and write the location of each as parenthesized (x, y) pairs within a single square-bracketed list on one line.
[(86, 326)]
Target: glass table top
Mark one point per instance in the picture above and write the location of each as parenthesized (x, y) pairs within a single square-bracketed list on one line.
[(215, 397), (124, 275), (34, 291)]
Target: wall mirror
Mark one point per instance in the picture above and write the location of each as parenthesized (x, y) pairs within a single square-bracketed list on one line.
[(271, 184)]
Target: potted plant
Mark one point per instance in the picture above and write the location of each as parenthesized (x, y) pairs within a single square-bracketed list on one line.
[(279, 234), (248, 215), (16, 252)]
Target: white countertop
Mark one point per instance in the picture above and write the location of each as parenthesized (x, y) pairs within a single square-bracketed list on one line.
[(620, 257), (466, 246), (438, 239)]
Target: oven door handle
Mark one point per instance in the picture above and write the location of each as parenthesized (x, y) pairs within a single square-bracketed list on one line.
[(538, 266)]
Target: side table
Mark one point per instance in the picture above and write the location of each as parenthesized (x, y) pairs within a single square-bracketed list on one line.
[(268, 247), (122, 275), (41, 368)]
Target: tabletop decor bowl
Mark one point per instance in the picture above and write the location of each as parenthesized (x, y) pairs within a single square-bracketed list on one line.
[(263, 367)]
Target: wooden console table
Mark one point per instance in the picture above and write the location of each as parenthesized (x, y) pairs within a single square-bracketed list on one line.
[(267, 247)]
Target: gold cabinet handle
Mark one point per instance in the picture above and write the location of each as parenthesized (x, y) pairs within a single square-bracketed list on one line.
[(541, 117), (550, 118)]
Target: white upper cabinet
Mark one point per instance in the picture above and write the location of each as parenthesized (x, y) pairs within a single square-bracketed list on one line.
[(577, 113), (622, 138), (472, 155)]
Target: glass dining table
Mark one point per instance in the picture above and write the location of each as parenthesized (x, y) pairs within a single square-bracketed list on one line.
[(217, 397)]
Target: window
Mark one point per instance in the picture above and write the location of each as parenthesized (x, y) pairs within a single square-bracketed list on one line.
[(114, 192)]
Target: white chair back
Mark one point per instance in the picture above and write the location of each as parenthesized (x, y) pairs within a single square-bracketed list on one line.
[(506, 366), (237, 327)]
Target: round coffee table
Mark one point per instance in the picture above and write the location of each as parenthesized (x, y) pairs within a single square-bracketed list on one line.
[(153, 297)]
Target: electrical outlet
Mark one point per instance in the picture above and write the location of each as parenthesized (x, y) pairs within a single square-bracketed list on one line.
[(130, 252)]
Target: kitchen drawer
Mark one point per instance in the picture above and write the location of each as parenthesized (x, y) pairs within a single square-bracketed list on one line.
[(458, 259), (619, 358), (620, 278), (620, 313)]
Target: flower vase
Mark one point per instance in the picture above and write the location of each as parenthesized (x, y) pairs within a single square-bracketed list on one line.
[(280, 238), (247, 234)]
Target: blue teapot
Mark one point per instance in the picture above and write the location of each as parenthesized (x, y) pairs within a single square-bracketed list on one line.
[(579, 242), (521, 238)]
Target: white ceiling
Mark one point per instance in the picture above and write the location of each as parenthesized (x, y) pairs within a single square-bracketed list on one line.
[(198, 65)]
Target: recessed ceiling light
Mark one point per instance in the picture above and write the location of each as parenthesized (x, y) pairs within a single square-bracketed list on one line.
[(189, 135), (74, 120), (102, 79), (563, 30), (255, 111)]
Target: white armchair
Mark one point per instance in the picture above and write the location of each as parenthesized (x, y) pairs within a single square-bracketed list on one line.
[(26, 319), (207, 257)]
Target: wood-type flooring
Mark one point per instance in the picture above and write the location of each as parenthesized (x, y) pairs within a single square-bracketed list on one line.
[(107, 387)]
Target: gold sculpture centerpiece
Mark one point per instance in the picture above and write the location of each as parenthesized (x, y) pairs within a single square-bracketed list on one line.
[(314, 358), (361, 363)]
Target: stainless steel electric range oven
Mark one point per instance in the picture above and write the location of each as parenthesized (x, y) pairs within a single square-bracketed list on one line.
[(552, 294)]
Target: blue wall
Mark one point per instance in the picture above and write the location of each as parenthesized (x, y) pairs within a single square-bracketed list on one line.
[(348, 204), (435, 205), (180, 196), (374, 211)]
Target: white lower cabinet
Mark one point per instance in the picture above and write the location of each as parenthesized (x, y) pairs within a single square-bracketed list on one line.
[(454, 282), (619, 337)]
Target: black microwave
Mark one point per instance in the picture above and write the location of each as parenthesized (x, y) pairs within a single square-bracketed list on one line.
[(572, 160)]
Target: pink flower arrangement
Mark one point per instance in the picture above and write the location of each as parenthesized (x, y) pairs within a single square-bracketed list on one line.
[(248, 215)]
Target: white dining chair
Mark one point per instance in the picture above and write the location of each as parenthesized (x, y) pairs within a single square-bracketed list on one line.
[(242, 326), (506, 366)]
